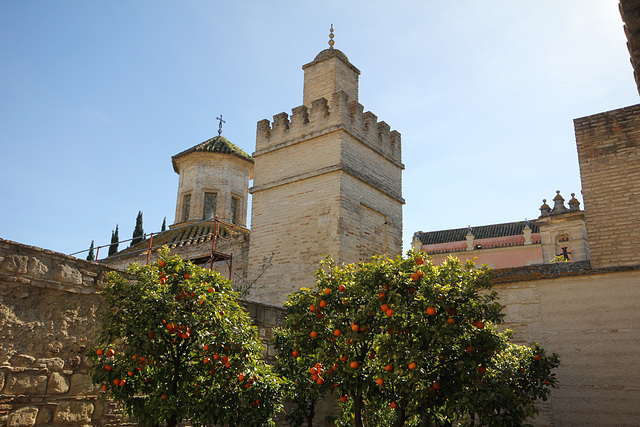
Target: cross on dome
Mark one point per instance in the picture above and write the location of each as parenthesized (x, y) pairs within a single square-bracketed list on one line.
[(220, 125)]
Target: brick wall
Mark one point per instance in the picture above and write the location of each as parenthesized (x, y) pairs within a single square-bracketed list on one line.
[(609, 155), (49, 316)]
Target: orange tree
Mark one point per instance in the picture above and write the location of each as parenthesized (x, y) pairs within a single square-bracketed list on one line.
[(405, 340), (297, 361), (176, 345)]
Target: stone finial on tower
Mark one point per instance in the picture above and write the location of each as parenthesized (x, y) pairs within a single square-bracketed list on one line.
[(545, 209), (558, 204), (574, 204), (331, 36)]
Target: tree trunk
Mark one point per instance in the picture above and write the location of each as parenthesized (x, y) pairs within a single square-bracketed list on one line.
[(311, 414), (357, 409), (401, 417)]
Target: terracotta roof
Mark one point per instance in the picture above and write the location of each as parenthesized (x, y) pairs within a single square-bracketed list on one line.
[(480, 232), (217, 144), (183, 236)]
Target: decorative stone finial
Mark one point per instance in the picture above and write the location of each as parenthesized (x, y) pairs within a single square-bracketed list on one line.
[(545, 208), (574, 204), (220, 125), (558, 204), (331, 36)]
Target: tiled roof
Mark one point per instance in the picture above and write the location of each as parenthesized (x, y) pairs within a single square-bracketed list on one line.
[(217, 144), (183, 236), (480, 232)]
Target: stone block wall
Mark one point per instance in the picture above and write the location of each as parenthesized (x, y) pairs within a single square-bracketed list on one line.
[(49, 316), (590, 318), (609, 156)]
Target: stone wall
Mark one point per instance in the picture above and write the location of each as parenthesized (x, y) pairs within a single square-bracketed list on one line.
[(609, 155), (590, 318), (49, 317)]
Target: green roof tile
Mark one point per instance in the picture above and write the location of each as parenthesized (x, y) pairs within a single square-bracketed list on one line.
[(217, 144)]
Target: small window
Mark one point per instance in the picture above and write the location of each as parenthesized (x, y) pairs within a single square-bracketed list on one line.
[(186, 206), (209, 205), (234, 210)]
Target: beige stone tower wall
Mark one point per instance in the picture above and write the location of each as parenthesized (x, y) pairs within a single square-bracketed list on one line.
[(328, 180), (609, 155), (225, 175)]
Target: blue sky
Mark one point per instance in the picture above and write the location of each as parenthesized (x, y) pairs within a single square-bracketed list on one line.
[(95, 98)]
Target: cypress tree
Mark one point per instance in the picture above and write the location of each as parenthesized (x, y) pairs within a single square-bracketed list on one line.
[(138, 232), (91, 256), (164, 224), (113, 248)]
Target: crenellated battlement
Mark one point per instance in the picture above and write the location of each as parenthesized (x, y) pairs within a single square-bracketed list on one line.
[(325, 116)]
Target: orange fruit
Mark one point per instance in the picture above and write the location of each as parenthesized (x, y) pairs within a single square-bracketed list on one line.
[(313, 371), (99, 352), (320, 381), (110, 352), (323, 303), (482, 369), (122, 383), (451, 321), (389, 367), (342, 288), (419, 261), (161, 263), (312, 307), (354, 365), (337, 332), (478, 324), (241, 377), (538, 357), (163, 397), (344, 398), (413, 365), (206, 360), (389, 312), (436, 386), (394, 405), (343, 358), (130, 373), (187, 276), (431, 311), (107, 368), (295, 353), (379, 381), (313, 334), (384, 307), (355, 327), (327, 291)]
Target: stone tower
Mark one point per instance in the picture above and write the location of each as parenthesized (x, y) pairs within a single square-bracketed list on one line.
[(214, 181), (328, 180)]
